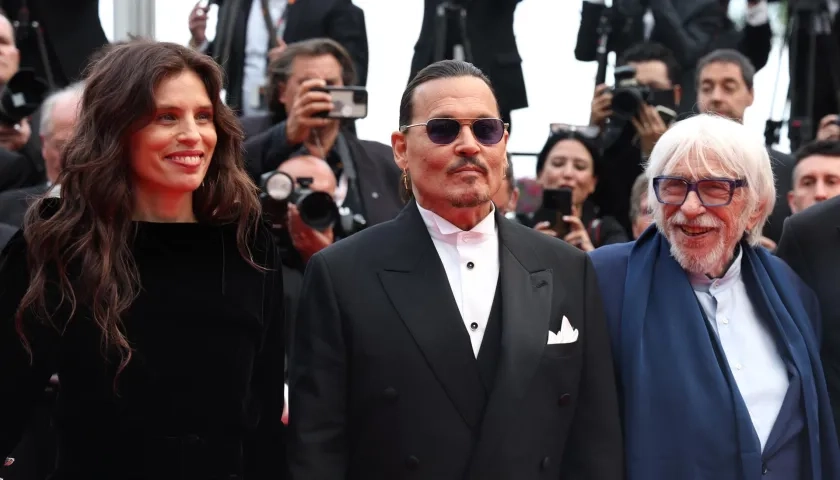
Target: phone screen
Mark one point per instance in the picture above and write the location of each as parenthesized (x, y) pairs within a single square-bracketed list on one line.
[(558, 201)]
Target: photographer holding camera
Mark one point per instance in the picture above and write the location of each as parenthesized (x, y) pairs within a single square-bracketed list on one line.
[(632, 116), (302, 78), (21, 163)]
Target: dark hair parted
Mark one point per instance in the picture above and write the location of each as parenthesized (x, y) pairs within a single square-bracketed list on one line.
[(727, 55), (280, 70), (556, 138), (85, 240), (653, 52), (437, 71)]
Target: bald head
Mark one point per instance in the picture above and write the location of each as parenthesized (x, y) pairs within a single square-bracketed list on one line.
[(323, 178)]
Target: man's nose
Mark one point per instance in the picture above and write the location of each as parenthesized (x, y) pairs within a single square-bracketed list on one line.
[(692, 207), (821, 191), (466, 143)]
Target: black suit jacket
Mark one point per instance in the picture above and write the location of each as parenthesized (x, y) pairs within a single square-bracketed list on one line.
[(378, 175), (14, 203), (783, 165), (811, 246), (490, 30), (72, 33), (383, 381), (339, 20)]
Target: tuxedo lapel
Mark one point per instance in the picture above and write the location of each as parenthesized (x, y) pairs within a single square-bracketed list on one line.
[(528, 291), (417, 285)]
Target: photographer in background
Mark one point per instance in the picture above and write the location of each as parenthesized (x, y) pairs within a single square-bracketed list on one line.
[(252, 33), (630, 127), (21, 163), (367, 178), (489, 34)]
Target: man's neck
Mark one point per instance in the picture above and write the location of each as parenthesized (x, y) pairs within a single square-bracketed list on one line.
[(465, 218), (721, 271), (322, 141)]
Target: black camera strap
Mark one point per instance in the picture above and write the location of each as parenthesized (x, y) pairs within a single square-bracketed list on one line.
[(353, 200)]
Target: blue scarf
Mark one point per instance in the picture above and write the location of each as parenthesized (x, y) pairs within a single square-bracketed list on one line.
[(681, 406)]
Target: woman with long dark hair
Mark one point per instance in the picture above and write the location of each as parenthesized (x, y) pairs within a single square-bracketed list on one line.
[(151, 286)]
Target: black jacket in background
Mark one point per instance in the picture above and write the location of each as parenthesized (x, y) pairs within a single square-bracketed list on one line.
[(490, 31), (339, 20), (810, 244)]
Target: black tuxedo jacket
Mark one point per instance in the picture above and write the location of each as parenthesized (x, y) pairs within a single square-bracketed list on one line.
[(811, 246), (384, 382), (339, 20), (490, 30)]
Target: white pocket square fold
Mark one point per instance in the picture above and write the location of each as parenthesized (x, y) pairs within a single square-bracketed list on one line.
[(567, 334)]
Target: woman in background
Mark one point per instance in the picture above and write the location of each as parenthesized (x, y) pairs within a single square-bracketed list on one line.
[(151, 287), (570, 160)]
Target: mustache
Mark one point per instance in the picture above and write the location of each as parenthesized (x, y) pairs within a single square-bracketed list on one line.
[(467, 162), (704, 221)]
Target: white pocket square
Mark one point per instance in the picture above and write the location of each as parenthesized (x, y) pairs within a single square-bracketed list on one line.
[(567, 334)]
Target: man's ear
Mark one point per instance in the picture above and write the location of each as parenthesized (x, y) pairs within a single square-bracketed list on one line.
[(398, 145)]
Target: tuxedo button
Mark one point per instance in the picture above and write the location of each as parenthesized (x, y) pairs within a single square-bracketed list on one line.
[(564, 399), (470, 265), (391, 394), (412, 462), (546, 462)]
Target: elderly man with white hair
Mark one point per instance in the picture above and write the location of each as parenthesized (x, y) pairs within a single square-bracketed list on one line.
[(715, 340)]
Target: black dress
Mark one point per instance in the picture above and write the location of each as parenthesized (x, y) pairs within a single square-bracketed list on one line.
[(201, 398)]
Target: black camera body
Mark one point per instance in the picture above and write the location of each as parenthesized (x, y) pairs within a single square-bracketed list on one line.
[(317, 209), (21, 97), (628, 94)]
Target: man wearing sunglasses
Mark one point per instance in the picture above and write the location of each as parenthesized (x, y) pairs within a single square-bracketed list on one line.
[(450, 342), (716, 340)]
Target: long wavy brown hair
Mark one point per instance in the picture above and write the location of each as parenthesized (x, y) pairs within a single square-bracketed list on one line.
[(83, 247)]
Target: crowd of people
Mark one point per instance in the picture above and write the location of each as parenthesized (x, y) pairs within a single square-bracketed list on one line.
[(207, 274)]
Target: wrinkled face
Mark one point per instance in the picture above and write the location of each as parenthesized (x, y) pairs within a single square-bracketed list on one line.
[(464, 173), (569, 165), (171, 154), (644, 219), (63, 119), (723, 91), (816, 178), (703, 239), (325, 67), (9, 53)]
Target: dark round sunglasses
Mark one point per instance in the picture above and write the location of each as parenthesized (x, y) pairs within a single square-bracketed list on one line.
[(443, 131)]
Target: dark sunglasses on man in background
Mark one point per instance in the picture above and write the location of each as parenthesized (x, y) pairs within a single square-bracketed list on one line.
[(443, 131)]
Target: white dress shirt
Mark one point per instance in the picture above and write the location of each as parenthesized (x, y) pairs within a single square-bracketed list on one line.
[(749, 347), (256, 51), (471, 261)]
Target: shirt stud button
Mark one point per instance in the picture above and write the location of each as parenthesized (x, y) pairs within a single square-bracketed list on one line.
[(470, 265), (474, 326)]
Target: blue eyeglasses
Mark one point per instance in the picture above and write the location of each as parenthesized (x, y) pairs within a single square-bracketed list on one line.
[(712, 192)]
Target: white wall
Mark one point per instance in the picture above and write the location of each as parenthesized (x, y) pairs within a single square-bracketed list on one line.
[(559, 87)]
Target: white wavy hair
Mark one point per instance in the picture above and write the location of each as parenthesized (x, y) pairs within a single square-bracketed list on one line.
[(741, 153)]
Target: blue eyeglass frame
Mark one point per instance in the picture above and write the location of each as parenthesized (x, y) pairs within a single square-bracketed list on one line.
[(693, 187)]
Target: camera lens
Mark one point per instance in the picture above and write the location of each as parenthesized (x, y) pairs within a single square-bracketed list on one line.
[(318, 210), (626, 102), (278, 186)]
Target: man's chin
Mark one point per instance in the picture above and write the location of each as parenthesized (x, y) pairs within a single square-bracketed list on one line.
[(469, 200)]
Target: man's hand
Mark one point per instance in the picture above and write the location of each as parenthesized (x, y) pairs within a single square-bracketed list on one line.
[(306, 240), (198, 25), (307, 103), (275, 52), (649, 126), (601, 105), (14, 138)]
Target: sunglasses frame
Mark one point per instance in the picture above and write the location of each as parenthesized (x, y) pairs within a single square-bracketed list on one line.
[(461, 122), (734, 184)]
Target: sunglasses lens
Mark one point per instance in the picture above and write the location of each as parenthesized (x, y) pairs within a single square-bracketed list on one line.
[(488, 131), (443, 131)]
